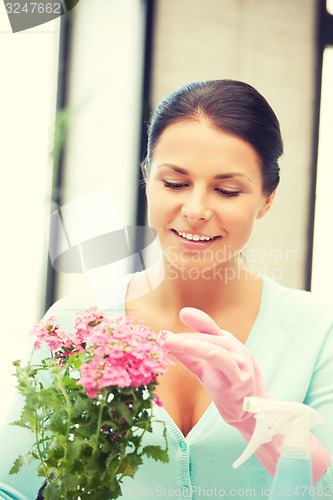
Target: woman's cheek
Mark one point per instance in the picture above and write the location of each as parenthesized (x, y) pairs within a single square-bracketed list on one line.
[(156, 213)]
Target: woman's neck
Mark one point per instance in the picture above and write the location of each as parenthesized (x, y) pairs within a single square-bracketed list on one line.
[(211, 290)]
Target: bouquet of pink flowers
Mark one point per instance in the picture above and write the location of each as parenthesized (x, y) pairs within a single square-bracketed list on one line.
[(89, 404)]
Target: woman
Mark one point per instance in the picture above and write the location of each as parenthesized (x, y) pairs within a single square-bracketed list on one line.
[(211, 171)]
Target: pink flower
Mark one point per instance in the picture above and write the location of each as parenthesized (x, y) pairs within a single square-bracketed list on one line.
[(158, 401), (112, 376), (119, 351)]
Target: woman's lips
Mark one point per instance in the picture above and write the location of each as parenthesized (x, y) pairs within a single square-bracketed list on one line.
[(194, 244)]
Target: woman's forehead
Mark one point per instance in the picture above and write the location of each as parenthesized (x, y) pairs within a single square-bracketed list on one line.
[(186, 144)]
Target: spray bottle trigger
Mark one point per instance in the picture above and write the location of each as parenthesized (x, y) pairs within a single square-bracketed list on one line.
[(277, 417), (261, 435)]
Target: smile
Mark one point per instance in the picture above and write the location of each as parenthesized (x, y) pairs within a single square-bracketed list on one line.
[(195, 237)]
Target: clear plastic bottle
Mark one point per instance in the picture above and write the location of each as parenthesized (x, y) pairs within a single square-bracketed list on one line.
[(293, 475)]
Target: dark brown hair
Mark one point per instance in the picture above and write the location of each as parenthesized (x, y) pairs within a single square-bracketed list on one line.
[(231, 106)]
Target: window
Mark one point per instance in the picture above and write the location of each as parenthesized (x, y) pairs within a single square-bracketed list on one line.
[(322, 267)]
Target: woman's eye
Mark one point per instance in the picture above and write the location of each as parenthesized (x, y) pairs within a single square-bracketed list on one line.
[(225, 192), (174, 185)]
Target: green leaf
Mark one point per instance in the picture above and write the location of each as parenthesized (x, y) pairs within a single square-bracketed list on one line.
[(134, 459), (144, 423), (70, 384), (19, 423), (111, 456), (156, 452), (123, 410), (77, 362), (57, 424), (75, 450), (104, 494), (21, 461), (55, 450), (45, 398), (80, 406), (107, 447), (69, 481), (129, 465), (51, 492), (136, 440)]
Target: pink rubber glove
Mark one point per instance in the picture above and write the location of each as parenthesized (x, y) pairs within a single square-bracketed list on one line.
[(228, 371)]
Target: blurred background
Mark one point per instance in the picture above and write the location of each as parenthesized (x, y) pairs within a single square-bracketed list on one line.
[(76, 95)]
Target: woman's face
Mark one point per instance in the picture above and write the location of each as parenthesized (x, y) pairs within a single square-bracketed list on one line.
[(204, 193)]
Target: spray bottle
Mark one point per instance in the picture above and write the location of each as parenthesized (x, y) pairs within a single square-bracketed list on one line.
[(293, 475)]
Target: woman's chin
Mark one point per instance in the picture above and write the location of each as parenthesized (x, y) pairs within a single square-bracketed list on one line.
[(202, 270), (188, 270)]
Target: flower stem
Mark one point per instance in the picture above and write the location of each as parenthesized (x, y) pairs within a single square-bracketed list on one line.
[(69, 409), (100, 416), (38, 448)]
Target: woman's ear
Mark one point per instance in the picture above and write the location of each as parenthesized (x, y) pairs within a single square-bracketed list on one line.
[(267, 203), (144, 169)]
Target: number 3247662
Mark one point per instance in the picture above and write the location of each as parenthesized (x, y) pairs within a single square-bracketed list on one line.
[(33, 8)]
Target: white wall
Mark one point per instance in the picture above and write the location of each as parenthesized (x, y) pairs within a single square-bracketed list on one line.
[(329, 6), (27, 101), (322, 272)]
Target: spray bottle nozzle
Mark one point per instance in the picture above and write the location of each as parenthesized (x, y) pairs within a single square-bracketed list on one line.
[(279, 417)]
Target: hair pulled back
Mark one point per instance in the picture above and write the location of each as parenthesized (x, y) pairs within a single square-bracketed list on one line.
[(231, 106)]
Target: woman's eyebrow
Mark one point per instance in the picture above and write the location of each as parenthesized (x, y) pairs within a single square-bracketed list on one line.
[(183, 171), (180, 170)]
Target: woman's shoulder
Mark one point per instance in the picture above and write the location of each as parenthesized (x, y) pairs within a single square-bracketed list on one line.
[(110, 299), (293, 305), (297, 294), (294, 321)]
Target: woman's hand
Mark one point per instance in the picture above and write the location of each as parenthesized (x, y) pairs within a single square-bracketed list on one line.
[(222, 363)]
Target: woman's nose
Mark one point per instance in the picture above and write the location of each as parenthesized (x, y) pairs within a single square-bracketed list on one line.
[(195, 207)]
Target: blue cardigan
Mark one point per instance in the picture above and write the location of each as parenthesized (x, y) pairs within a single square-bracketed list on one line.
[(292, 342)]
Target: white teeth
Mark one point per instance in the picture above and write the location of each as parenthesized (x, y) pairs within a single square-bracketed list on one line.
[(195, 237)]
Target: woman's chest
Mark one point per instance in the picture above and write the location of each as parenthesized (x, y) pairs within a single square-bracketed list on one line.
[(184, 398)]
